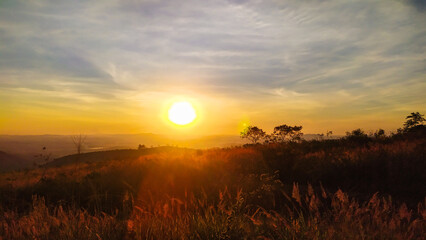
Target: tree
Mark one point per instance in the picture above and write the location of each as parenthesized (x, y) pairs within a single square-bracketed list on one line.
[(253, 133), (284, 133), (413, 120), (357, 133), (78, 141), (380, 133)]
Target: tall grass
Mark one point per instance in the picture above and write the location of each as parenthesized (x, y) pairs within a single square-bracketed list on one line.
[(334, 189), (305, 216)]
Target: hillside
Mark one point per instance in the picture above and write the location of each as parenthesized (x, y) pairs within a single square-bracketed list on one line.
[(61, 145), (10, 162), (356, 186), (105, 156)]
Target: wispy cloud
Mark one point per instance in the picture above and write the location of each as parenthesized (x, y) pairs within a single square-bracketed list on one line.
[(297, 51)]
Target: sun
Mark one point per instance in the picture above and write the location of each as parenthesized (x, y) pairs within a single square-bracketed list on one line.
[(182, 113)]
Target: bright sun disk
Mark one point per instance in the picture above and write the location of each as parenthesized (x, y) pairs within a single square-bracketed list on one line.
[(182, 113)]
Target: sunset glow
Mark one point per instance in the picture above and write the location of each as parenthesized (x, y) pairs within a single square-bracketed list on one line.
[(329, 66), (159, 119)]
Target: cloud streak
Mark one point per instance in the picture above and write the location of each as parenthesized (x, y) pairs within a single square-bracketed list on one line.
[(244, 51)]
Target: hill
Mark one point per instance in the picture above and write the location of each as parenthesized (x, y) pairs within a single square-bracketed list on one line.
[(9, 162), (61, 145), (105, 156), (331, 189)]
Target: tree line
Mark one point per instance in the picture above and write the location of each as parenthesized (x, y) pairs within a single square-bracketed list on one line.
[(282, 133), (285, 133)]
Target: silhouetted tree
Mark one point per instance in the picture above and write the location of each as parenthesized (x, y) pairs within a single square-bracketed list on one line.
[(141, 146), (284, 133), (269, 138), (78, 141), (356, 133), (380, 133), (413, 120), (253, 133)]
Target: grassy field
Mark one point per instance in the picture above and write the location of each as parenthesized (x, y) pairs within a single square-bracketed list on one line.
[(352, 188)]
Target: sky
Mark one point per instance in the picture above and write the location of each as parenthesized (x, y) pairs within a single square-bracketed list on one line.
[(115, 66)]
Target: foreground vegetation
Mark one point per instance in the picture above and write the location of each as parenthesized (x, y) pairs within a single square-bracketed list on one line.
[(358, 187)]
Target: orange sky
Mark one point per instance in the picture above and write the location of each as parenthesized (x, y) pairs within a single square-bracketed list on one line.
[(115, 67)]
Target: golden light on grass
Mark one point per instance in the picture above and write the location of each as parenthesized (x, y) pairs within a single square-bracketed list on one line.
[(182, 113)]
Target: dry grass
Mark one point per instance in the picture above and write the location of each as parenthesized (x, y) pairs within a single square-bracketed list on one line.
[(237, 193), (309, 216)]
